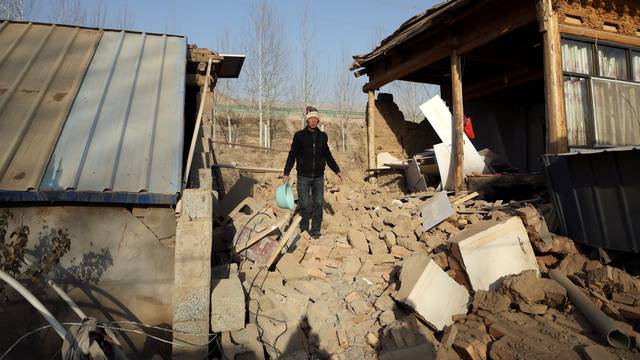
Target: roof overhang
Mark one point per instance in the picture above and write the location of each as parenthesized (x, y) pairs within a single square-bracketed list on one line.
[(230, 66)]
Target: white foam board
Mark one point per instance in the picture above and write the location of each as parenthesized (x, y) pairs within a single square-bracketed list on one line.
[(435, 296), (439, 116), (491, 250)]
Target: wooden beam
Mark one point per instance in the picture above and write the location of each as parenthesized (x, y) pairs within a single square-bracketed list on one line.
[(457, 128), (553, 78), (599, 34), (371, 130), (478, 29)]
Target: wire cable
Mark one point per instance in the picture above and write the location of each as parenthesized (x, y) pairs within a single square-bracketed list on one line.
[(105, 326)]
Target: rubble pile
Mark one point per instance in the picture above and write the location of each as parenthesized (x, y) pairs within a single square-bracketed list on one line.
[(398, 276)]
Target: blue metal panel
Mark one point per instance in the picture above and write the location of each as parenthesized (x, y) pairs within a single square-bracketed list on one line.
[(597, 196), (124, 132), (88, 196)]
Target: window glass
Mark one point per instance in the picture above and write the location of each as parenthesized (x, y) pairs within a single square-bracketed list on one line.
[(617, 106), (635, 60), (577, 57), (612, 62), (578, 113)]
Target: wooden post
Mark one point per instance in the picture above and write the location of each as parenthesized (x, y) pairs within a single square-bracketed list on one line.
[(457, 126), (553, 78), (371, 131)]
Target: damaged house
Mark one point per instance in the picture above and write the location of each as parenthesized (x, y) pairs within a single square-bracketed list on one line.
[(535, 77), (96, 138)]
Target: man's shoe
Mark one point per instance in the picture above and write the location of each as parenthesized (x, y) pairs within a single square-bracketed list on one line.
[(315, 235)]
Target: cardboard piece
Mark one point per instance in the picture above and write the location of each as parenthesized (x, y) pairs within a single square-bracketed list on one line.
[(436, 209), (490, 250), (434, 296)]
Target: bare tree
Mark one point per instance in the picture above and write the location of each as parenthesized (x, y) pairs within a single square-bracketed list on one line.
[(266, 65), (345, 91), (12, 9), (222, 109), (309, 73), (410, 95)]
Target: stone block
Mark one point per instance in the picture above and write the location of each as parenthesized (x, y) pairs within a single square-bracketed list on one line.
[(197, 204), (358, 240), (227, 305)]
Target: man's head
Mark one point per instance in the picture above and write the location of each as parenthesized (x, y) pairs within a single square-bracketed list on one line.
[(313, 117)]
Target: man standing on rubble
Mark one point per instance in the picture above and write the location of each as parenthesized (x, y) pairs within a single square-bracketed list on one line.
[(310, 151)]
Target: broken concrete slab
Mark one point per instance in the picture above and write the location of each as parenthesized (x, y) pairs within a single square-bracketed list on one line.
[(435, 210), (227, 305), (358, 240), (491, 250), (426, 295)]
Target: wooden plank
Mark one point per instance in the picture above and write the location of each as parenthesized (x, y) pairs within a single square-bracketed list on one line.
[(464, 198), (599, 35), (285, 238), (553, 78), (248, 168), (254, 239), (457, 122)]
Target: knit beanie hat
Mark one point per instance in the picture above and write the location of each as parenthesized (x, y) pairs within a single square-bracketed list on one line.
[(312, 112)]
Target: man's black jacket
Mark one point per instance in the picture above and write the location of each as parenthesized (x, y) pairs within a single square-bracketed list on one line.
[(310, 153)]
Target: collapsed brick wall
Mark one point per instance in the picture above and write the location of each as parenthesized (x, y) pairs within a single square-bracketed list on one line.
[(394, 135)]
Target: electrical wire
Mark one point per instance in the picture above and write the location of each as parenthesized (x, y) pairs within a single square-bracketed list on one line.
[(182, 343)]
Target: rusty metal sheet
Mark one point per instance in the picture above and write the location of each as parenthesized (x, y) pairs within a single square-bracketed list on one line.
[(124, 132), (41, 68)]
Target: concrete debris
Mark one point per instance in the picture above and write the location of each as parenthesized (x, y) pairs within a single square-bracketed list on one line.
[(397, 276)]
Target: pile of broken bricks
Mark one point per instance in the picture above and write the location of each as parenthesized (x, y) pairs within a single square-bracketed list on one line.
[(421, 276)]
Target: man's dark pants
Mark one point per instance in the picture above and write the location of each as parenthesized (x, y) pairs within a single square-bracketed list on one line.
[(311, 200)]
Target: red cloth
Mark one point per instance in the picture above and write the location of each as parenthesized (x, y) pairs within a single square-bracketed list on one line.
[(468, 128)]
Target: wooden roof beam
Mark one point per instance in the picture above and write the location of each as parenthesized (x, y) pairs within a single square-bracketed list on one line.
[(475, 32)]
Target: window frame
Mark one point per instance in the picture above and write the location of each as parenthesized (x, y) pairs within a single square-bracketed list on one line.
[(591, 140)]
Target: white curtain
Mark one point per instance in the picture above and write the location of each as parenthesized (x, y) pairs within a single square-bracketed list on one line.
[(617, 112), (577, 57), (635, 60), (576, 100), (612, 62)]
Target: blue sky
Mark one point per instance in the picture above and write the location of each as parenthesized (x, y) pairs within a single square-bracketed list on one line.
[(349, 26)]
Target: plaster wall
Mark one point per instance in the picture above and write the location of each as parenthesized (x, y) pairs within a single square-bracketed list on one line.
[(119, 267)]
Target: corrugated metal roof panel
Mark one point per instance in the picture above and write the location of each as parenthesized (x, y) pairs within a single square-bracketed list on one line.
[(41, 67), (596, 195), (124, 132)]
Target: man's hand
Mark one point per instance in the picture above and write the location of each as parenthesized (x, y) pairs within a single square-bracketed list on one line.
[(285, 178)]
